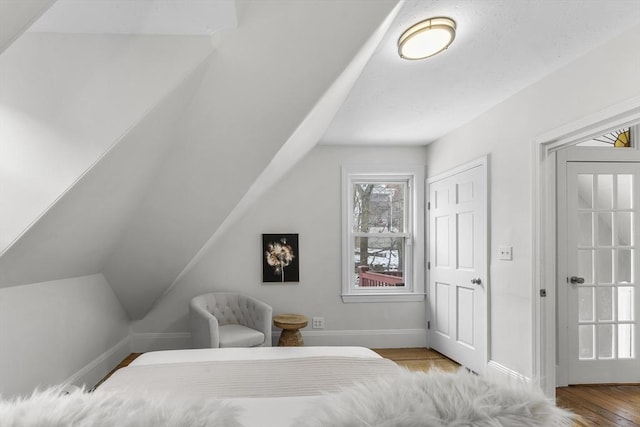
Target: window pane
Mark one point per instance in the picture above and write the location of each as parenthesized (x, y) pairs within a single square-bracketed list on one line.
[(605, 192), (604, 266), (585, 305), (625, 266), (625, 191), (625, 341), (604, 229), (623, 228), (585, 229), (625, 304), (585, 265), (379, 238), (585, 341), (604, 301), (379, 207), (384, 264), (585, 191), (605, 341)]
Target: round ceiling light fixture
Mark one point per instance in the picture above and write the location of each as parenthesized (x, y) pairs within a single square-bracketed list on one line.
[(427, 38)]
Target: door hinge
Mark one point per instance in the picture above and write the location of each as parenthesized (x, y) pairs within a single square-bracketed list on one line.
[(543, 293), (429, 324), (428, 265), (428, 205)]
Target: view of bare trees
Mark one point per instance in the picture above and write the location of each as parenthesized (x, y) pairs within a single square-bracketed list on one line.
[(378, 213)]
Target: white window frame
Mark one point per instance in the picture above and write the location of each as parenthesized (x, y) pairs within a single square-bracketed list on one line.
[(414, 176)]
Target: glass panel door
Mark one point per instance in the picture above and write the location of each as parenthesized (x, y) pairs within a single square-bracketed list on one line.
[(602, 257)]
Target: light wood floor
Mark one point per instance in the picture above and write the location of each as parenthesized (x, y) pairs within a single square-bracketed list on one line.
[(418, 359), (602, 405)]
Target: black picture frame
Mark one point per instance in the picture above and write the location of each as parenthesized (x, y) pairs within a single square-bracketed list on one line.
[(280, 258)]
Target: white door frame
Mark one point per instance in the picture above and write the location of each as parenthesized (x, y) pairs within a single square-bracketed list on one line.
[(484, 162), (543, 181)]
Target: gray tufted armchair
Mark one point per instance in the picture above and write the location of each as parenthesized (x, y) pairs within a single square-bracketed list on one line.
[(227, 319)]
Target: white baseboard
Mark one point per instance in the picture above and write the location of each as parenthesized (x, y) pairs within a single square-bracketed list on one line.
[(95, 370), (495, 369), (371, 338), (142, 342)]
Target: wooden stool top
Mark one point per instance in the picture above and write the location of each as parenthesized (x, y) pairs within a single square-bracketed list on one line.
[(290, 321)]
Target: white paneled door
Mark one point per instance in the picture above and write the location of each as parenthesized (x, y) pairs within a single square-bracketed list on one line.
[(457, 266), (603, 296)]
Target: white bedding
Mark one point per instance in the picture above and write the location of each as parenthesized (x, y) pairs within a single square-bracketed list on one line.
[(257, 353), (255, 411), (213, 388), (224, 379)]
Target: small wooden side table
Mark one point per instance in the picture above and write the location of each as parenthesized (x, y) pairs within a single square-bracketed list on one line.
[(290, 325)]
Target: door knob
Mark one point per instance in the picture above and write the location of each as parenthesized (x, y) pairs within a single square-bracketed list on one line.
[(575, 280), (476, 281)]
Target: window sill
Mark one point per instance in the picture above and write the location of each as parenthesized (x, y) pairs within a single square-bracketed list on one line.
[(387, 297)]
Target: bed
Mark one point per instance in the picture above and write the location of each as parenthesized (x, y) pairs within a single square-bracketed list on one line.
[(272, 386), (285, 387)]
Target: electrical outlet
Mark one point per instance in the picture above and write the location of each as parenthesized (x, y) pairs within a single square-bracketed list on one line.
[(505, 253), (317, 323)]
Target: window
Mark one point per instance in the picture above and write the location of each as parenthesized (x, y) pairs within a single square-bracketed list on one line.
[(619, 138), (383, 214)]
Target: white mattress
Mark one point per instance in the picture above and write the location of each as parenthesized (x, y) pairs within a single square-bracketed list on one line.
[(256, 353), (260, 411)]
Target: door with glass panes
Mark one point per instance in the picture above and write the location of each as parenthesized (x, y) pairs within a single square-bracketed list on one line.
[(603, 261)]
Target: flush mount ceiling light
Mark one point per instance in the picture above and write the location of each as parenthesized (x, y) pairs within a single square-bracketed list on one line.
[(427, 38)]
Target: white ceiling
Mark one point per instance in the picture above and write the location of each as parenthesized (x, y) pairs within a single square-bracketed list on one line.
[(501, 47), (168, 17)]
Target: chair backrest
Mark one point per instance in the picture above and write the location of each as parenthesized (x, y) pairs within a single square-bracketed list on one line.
[(228, 307)]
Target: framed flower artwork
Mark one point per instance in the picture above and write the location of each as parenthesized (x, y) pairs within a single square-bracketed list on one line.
[(280, 258)]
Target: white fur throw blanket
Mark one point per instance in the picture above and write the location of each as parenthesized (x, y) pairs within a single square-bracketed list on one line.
[(410, 399), (53, 408), (437, 399)]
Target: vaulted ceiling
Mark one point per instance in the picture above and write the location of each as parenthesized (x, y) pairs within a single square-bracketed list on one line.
[(134, 131), (153, 141)]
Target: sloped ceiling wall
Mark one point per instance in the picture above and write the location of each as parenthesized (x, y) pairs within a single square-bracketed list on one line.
[(78, 233), (16, 16), (259, 86), (65, 99), (142, 212)]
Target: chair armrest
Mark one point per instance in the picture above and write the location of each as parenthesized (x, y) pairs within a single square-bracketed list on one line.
[(204, 327), (261, 319)]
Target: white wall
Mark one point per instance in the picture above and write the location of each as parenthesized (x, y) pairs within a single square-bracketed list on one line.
[(65, 98), (307, 201), (506, 132), (50, 331), (256, 90)]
